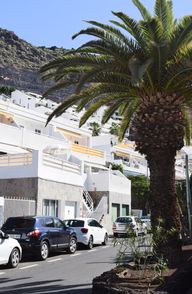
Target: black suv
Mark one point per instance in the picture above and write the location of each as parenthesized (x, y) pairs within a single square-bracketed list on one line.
[(41, 234)]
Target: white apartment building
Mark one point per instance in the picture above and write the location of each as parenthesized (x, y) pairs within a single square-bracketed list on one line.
[(55, 170)]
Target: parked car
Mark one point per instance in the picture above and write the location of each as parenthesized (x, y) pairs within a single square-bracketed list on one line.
[(10, 250), (146, 219), (124, 224), (89, 231), (41, 234)]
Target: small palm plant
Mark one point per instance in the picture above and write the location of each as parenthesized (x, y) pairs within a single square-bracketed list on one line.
[(143, 70)]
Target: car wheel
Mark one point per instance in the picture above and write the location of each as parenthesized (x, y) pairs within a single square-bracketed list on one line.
[(14, 258), (72, 245), (90, 243), (105, 239), (115, 235), (44, 250)]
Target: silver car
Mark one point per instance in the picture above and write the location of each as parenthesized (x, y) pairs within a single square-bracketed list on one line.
[(124, 224)]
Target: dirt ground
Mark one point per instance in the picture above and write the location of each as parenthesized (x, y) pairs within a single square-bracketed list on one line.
[(128, 280)]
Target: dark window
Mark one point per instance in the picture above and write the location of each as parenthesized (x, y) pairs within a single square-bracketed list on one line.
[(18, 223), (124, 220), (37, 131), (74, 223), (58, 223), (49, 222), (94, 223)]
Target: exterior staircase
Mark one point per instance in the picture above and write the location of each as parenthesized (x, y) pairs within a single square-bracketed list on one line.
[(98, 212)]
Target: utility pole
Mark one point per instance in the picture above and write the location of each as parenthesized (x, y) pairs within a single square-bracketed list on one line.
[(188, 193)]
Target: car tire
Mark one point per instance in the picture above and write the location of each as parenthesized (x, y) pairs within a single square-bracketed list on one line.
[(105, 239), (14, 258), (90, 243), (115, 235), (44, 250), (72, 246)]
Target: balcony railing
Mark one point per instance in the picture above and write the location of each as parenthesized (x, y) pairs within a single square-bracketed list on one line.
[(16, 159)]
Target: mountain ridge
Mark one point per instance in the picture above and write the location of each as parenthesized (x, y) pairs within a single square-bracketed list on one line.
[(20, 64)]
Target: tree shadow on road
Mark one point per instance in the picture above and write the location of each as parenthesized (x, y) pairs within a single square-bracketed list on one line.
[(43, 287)]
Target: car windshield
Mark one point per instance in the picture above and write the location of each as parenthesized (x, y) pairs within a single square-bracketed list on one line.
[(74, 223), (124, 220), (19, 223)]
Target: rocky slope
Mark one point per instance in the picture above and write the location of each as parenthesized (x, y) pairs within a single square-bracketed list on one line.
[(20, 64)]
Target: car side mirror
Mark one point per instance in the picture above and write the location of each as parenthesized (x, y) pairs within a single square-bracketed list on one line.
[(3, 235), (6, 236)]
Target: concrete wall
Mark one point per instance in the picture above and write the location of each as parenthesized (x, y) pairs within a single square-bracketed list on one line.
[(61, 192), (27, 196), (25, 188)]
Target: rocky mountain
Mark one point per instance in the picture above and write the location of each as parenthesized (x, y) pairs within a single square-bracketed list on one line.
[(20, 64)]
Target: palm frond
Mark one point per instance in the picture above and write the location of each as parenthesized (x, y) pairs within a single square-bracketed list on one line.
[(133, 28), (129, 111), (56, 87), (92, 109), (144, 12), (181, 34), (63, 106), (163, 10)]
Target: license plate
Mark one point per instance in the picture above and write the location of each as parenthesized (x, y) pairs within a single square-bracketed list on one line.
[(15, 236)]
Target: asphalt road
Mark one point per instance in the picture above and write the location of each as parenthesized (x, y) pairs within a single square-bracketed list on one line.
[(60, 273)]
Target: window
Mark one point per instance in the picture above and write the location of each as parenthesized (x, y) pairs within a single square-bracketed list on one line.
[(125, 209), (58, 223), (37, 131), (49, 223), (50, 207), (94, 223), (74, 223)]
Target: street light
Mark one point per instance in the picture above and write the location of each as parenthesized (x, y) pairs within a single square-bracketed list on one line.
[(188, 151)]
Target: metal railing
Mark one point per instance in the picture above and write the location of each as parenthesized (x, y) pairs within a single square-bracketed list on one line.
[(88, 203)]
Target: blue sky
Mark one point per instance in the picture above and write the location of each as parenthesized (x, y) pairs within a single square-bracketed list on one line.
[(52, 23)]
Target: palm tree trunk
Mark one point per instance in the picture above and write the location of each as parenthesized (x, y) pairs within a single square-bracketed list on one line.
[(163, 202)]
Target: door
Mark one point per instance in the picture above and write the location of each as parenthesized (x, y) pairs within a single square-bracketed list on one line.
[(70, 209), (63, 236), (97, 231), (51, 231)]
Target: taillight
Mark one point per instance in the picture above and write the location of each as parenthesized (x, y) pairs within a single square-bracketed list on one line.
[(84, 230), (35, 234)]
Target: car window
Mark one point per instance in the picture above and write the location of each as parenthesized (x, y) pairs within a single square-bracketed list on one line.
[(74, 223), (58, 223), (19, 223), (124, 220), (94, 223), (49, 222)]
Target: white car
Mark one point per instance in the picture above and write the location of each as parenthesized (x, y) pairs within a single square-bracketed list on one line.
[(146, 220), (10, 250), (123, 225), (89, 232)]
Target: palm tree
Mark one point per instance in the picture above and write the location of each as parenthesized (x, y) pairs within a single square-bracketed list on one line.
[(143, 69), (95, 128), (114, 129)]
